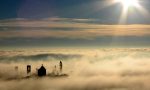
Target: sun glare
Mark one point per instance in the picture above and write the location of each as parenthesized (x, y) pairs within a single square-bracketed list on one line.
[(129, 3)]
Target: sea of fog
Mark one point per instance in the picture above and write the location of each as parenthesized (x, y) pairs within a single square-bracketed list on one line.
[(88, 69)]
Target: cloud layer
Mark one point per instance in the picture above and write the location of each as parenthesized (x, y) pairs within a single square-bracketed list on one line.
[(67, 28)]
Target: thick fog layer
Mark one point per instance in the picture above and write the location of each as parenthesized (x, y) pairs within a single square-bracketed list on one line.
[(88, 69)]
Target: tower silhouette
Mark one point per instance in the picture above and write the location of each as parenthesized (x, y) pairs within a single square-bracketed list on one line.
[(60, 66), (28, 69), (42, 71)]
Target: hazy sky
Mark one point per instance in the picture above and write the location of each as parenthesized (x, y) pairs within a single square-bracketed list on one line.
[(73, 23)]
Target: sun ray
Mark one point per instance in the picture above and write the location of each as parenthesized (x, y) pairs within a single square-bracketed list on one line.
[(127, 4), (143, 11), (123, 16)]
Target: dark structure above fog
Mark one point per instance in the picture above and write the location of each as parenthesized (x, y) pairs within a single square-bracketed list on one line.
[(42, 71), (56, 71)]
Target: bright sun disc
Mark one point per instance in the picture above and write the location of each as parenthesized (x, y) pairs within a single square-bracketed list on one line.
[(126, 5), (129, 6), (129, 3)]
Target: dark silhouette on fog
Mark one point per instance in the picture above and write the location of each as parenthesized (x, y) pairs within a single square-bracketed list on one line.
[(60, 66), (28, 69), (42, 71)]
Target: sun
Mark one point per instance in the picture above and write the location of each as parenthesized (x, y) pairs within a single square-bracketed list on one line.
[(128, 8), (129, 3)]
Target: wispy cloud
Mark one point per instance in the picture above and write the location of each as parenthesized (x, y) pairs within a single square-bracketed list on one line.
[(67, 28)]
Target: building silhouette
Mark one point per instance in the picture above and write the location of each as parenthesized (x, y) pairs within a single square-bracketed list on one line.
[(16, 68), (60, 66), (28, 69), (42, 71)]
